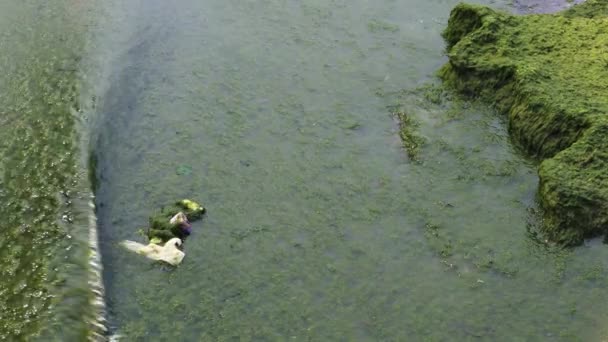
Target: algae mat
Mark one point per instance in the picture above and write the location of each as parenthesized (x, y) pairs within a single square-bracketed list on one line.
[(277, 116), (548, 73), (44, 293)]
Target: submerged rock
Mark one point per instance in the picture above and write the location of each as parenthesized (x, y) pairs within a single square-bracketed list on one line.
[(549, 74)]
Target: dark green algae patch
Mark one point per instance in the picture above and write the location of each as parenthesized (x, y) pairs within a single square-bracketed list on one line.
[(160, 225), (44, 294), (549, 75)]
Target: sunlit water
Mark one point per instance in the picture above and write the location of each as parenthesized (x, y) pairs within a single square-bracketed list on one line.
[(276, 115)]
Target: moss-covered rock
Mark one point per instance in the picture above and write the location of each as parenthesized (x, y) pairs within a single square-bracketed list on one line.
[(549, 74), (589, 9), (160, 225)]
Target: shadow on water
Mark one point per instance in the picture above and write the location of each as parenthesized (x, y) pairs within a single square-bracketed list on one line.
[(318, 224), (131, 73)]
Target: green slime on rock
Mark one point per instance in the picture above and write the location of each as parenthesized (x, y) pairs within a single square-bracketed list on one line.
[(549, 74)]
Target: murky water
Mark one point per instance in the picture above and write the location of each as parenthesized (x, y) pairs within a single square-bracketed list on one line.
[(277, 116)]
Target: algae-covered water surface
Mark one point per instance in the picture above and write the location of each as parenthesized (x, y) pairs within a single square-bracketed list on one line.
[(44, 294), (281, 117)]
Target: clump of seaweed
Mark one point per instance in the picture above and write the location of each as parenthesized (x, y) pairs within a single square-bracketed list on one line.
[(379, 26), (408, 131), (548, 74), (161, 226)]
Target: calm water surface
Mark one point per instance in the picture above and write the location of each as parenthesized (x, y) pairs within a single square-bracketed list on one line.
[(276, 115)]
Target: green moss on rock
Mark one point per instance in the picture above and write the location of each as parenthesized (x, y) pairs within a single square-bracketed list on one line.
[(588, 9), (549, 74)]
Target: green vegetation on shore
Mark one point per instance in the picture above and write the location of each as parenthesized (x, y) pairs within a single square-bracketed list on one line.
[(549, 74)]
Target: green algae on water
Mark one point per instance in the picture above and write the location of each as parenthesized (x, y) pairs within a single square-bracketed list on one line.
[(549, 74), (412, 140), (43, 271), (379, 26), (160, 225), (318, 231)]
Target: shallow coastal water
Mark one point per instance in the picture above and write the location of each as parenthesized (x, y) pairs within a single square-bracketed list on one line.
[(278, 116)]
